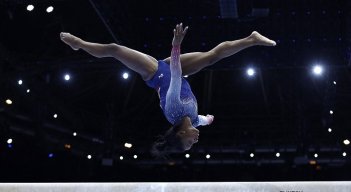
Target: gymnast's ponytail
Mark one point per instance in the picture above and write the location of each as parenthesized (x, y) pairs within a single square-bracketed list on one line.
[(167, 143)]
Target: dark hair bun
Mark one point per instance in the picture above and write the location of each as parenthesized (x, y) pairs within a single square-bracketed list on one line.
[(167, 143), (159, 149)]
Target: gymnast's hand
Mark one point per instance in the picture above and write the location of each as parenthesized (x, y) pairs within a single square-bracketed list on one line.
[(210, 119), (179, 34)]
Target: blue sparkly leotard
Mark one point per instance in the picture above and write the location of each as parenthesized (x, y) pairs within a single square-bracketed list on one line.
[(176, 98)]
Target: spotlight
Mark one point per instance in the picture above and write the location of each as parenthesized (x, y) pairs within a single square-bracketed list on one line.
[(55, 115), (89, 156), (28, 90), (313, 162), (20, 82), (128, 145), (277, 154), (346, 142), (8, 101), (121, 158), (344, 154), (208, 156), (334, 82), (330, 130), (250, 72), (51, 155), (135, 156), (74, 134), (49, 9), (30, 7), (252, 155), (331, 112), (186, 76), (9, 141), (187, 156), (67, 77), (125, 75), (318, 70), (315, 155)]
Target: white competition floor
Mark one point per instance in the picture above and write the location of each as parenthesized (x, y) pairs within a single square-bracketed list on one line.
[(181, 187)]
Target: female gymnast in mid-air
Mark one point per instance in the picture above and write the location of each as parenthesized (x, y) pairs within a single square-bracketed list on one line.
[(177, 101)]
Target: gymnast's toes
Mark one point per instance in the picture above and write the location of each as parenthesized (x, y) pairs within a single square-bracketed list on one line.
[(70, 40), (261, 40)]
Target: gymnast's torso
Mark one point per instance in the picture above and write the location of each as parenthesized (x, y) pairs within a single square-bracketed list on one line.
[(175, 110)]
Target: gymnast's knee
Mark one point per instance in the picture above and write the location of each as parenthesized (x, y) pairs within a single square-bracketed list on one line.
[(112, 49), (213, 56)]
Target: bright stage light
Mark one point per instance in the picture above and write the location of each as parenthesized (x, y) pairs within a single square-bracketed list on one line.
[(50, 9), (125, 75), (208, 156), (334, 82), (315, 155), (9, 141), (28, 90), (313, 162), (67, 146), (8, 101), (20, 82), (128, 145), (346, 142), (330, 130), (89, 156), (317, 70), (135, 156), (344, 154), (121, 158), (277, 154), (30, 7), (250, 72), (187, 156), (331, 112), (74, 134), (55, 116), (252, 155), (67, 77)]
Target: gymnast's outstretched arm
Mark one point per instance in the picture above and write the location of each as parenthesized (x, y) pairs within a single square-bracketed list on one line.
[(173, 102)]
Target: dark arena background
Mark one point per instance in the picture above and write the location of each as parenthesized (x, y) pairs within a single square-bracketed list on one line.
[(66, 116)]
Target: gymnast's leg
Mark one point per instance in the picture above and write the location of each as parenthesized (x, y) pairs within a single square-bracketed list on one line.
[(139, 62), (194, 62)]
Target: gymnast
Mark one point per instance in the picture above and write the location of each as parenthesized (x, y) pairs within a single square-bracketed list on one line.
[(177, 101)]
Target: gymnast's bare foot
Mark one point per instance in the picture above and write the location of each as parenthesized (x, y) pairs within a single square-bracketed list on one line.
[(259, 39), (70, 40)]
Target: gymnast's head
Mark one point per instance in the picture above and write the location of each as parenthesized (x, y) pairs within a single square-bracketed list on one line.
[(178, 138)]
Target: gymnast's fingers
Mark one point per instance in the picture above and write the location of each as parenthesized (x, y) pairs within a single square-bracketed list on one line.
[(185, 30)]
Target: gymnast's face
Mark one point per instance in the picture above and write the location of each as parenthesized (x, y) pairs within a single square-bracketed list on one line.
[(188, 136)]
